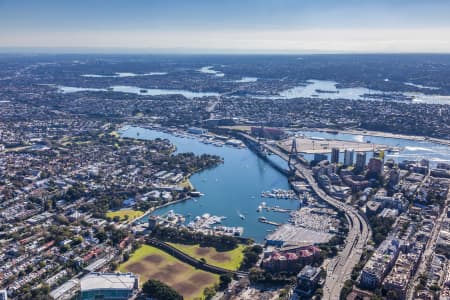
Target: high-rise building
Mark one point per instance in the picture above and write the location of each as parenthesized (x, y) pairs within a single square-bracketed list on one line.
[(335, 155), (394, 177), (375, 166), (348, 157), (360, 161)]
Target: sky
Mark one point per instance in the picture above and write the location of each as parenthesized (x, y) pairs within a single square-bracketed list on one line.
[(226, 26)]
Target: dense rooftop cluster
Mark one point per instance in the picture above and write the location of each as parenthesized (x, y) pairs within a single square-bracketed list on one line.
[(64, 166), (396, 117), (56, 189)]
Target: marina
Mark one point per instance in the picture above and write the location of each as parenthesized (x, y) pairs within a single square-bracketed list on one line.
[(231, 189), (205, 137), (261, 197), (276, 208), (279, 194), (264, 220), (206, 223)]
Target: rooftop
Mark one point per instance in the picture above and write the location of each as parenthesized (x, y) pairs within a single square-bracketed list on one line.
[(309, 272), (95, 281), (64, 289)]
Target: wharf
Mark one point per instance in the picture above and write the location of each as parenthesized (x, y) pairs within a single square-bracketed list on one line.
[(277, 209), (264, 220)]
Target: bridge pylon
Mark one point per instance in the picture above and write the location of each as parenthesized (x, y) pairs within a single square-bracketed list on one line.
[(293, 154)]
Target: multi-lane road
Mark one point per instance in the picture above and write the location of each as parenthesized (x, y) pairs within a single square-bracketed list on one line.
[(339, 270)]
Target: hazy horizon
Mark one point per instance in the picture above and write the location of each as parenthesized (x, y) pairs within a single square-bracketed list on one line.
[(241, 27), (193, 52)]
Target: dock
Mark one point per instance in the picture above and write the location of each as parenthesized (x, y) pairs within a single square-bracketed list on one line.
[(277, 209), (264, 220)]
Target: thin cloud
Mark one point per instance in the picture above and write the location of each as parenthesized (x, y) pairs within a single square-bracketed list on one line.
[(308, 40)]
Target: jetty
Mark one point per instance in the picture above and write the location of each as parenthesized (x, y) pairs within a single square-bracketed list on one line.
[(264, 220)]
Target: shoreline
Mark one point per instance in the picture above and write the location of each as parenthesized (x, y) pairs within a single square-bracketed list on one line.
[(369, 133), (188, 182), (355, 131), (387, 135), (152, 209)]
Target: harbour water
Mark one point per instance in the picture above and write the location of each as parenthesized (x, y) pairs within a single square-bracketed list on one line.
[(329, 91), (211, 71), (411, 149), (246, 80), (234, 188), (123, 75), (319, 89), (138, 91), (230, 189), (325, 89)]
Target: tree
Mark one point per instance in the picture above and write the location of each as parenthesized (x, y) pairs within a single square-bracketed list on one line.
[(61, 219), (251, 256), (435, 288), (256, 275), (101, 235), (380, 227), (225, 280), (319, 293), (209, 292), (64, 248), (258, 249), (160, 291), (113, 266), (391, 294), (183, 236), (126, 256), (41, 293), (346, 289), (77, 240)]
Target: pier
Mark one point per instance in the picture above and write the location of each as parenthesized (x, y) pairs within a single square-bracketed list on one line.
[(264, 220), (277, 209)]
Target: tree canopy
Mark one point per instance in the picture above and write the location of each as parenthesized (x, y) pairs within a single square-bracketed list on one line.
[(160, 291)]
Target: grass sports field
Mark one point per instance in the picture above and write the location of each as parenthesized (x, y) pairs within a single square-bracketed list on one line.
[(149, 262), (132, 214), (230, 260)]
